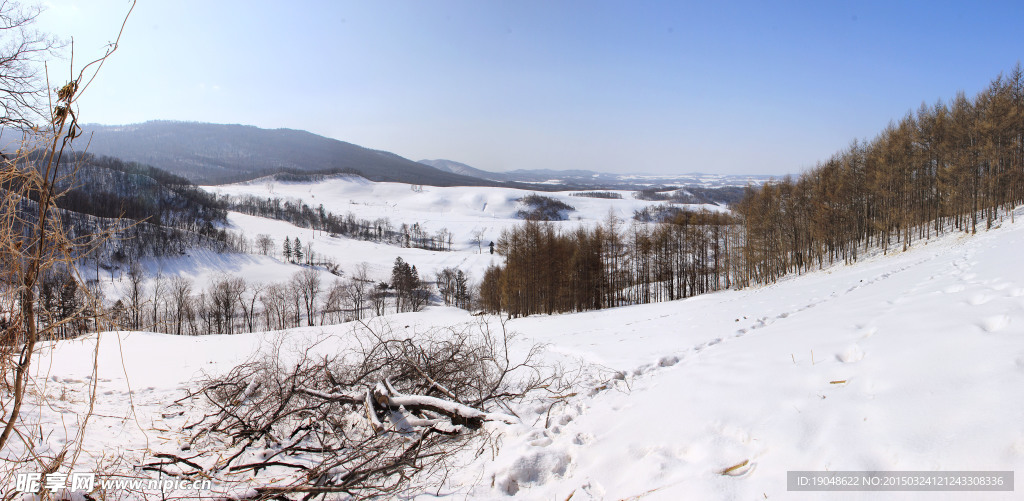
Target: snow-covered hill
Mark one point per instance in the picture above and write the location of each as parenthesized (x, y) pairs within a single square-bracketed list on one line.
[(463, 210), (912, 361)]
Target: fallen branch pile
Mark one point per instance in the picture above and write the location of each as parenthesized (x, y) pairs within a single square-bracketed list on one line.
[(365, 422)]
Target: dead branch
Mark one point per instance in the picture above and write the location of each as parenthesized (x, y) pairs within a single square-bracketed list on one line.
[(366, 421)]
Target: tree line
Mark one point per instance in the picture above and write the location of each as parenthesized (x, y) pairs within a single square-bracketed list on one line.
[(230, 304), (947, 167), (548, 271), (302, 215)]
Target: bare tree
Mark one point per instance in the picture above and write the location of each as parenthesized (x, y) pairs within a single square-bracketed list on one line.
[(358, 286), (225, 296), (133, 293), (22, 50), (445, 280), (477, 237), (453, 285), (310, 255), (264, 244), (158, 291), (295, 300), (333, 309), (181, 294), (275, 306), (307, 284), (249, 305)]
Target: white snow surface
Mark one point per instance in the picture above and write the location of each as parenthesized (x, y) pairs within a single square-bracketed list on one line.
[(461, 209), (911, 361)]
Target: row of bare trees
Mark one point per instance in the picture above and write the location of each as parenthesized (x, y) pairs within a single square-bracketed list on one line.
[(320, 219), (548, 271), (231, 304), (953, 166), (944, 168)]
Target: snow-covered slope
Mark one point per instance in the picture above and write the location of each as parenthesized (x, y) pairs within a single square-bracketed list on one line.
[(460, 209), (912, 361), (907, 362)]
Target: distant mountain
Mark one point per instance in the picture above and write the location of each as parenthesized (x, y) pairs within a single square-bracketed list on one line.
[(213, 153), (464, 170), (587, 179)]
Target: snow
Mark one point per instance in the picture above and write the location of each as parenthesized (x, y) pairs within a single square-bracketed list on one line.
[(461, 209), (349, 253), (911, 361)]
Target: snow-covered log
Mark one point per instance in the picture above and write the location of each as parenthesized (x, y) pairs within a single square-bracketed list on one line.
[(460, 414)]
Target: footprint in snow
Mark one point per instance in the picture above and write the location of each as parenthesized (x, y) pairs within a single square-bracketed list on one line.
[(594, 490), (668, 361), (979, 299), (994, 323), (998, 285), (852, 354), (897, 300), (537, 469)]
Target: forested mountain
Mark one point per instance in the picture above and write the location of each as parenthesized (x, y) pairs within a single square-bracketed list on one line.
[(157, 213), (215, 154), (108, 187)]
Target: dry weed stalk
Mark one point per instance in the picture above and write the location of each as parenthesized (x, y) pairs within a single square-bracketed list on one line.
[(34, 242)]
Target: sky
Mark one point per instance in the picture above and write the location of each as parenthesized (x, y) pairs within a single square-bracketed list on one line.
[(613, 86)]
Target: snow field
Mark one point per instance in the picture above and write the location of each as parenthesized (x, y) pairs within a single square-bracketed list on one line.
[(461, 209), (925, 379), (911, 361)]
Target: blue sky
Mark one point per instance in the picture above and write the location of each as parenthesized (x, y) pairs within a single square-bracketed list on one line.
[(660, 87)]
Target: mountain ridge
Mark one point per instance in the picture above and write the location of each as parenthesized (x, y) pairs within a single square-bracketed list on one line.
[(583, 179), (208, 153)]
